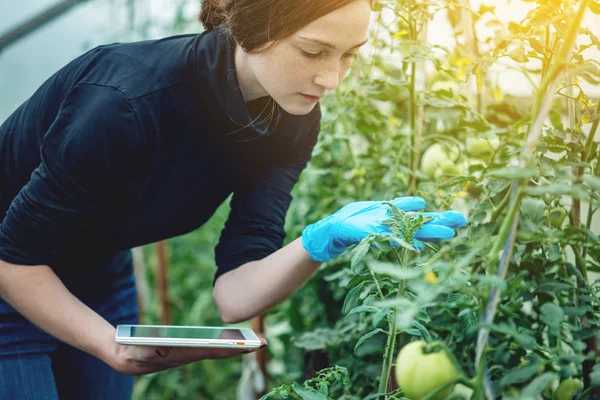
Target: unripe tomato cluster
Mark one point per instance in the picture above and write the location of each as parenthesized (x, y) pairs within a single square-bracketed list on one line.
[(438, 160), (442, 160)]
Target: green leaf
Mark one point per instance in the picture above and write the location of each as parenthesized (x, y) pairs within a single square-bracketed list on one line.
[(419, 330), (511, 173), (594, 6), (308, 393), (352, 294), (555, 120), (585, 333), (380, 315), (556, 287), (359, 254), (558, 189), (366, 337), (538, 385), (364, 309), (515, 28), (479, 124), (534, 209), (406, 317), (577, 311), (402, 243), (393, 270), (595, 376), (536, 45), (592, 181), (518, 54), (414, 50), (552, 315), (524, 339), (520, 374), (399, 303)]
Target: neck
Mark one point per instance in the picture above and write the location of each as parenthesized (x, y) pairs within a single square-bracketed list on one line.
[(249, 85)]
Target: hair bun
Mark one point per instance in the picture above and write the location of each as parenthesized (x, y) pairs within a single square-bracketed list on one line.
[(212, 14)]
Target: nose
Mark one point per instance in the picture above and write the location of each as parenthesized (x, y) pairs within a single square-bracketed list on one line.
[(330, 78)]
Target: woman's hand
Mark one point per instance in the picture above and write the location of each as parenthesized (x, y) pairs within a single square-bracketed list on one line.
[(332, 235), (141, 360)]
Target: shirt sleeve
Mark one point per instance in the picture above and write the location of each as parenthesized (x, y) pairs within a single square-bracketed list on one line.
[(91, 146), (255, 227)]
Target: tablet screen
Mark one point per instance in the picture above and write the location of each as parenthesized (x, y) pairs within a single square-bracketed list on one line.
[(186, 333)]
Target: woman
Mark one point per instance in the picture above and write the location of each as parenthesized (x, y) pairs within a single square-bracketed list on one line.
[(134, 143)]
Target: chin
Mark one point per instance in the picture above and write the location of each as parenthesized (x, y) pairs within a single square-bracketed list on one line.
[(297, 109)]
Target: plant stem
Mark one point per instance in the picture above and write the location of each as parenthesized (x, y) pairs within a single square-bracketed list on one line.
[(581, 265), (379, 291), (590, 139), (389, 353), (544, 97), (587, 157), (498, 210), (479, 394), (514, 194), (415, 140), (575, 213), (391, 339)]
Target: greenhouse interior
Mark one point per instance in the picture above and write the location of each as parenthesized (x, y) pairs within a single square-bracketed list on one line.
[(444, 225)]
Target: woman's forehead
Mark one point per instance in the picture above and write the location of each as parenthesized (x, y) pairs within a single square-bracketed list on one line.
[(344, 28)]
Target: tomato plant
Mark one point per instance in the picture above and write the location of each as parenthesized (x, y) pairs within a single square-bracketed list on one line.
[(515, 295)]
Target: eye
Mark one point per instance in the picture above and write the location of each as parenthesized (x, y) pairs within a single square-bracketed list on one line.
[(311, 55)]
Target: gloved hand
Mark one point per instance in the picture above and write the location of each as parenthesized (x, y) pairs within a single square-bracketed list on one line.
[(332, 235)]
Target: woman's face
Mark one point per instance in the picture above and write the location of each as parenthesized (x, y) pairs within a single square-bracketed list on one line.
[(303, 67)]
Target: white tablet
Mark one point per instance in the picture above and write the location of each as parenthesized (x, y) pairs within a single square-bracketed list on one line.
[(187, 336)]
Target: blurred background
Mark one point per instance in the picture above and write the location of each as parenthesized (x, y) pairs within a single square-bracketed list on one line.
[(29, 60)]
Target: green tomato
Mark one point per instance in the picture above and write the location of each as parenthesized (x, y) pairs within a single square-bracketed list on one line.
[(447, 168), (482, 148), (434, 157), (473, 189), (419, 374), (461, 392), (568, 388), (556, 216)]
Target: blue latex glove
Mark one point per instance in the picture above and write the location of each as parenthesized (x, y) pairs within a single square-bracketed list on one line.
[(332, 235)]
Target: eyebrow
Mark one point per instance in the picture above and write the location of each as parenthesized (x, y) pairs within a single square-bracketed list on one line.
[(327, 44)]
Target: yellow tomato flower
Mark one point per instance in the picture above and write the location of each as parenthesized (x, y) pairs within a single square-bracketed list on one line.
[(431, 277)]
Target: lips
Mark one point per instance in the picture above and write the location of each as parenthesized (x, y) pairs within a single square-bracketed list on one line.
[(311, 98)]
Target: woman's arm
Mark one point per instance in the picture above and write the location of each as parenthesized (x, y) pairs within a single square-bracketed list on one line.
[(39, 295), (256, 286)]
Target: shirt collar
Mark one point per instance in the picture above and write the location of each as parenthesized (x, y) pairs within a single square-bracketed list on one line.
[(252, 118)]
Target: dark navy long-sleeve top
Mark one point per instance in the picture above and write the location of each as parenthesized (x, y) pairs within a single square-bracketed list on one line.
[(134, 143)]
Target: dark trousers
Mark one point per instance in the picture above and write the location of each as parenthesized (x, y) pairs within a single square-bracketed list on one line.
[(35, 365)]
